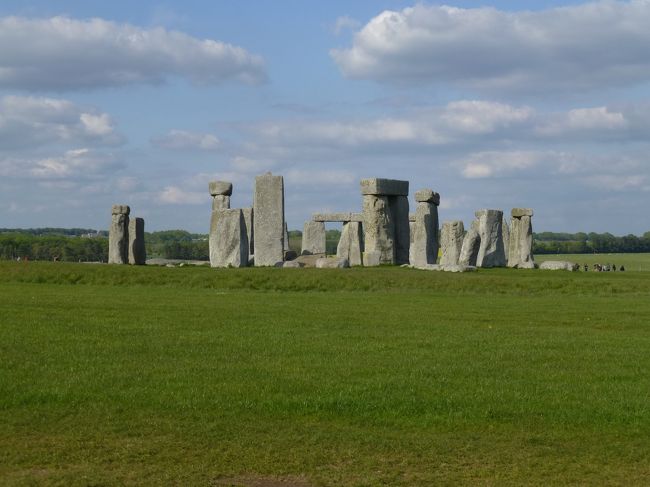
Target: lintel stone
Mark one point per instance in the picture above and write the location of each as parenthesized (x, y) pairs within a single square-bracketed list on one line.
[(427, 196), (220, 187), (120, 210), (519, 212), (384, 187), (337, 217)]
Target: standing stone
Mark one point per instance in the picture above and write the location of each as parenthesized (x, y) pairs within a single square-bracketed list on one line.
[(286, 237), (379, 229), (400, 209), (520, 250), (268, 221), (491, 252), (452, 242), (424, 247), (118, 235), (350, 245), (248, 220), (137, 250), (506, 238), (220, 192), (230, 247), (313, 238), (470, 247)]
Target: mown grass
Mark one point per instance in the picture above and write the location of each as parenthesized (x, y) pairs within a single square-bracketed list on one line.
[(632, 262), (113, 375)]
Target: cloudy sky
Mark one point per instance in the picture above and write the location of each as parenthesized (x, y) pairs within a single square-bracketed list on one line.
[(492, 104)]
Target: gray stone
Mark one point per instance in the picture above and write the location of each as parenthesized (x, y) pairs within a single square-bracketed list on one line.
[(519, 212), (248, 220), (451, 237), (384, 187), (447, 268), (286, 237), (424, 247), (220, 188), (379, 228), (471, 245), (350, 245), (427, 196), (230, 245), (371, 258), (332, 263), (559, 265), (118, 235), (411, 217), (399, 206), (292, 264), (313, 238), (491, 252), (337, 217), (520, 250), (137, 249), (220, 202), (268, 221), (505, 235)]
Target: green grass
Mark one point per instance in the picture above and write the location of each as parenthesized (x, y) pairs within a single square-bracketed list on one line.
[(632, 262), (114, 375)]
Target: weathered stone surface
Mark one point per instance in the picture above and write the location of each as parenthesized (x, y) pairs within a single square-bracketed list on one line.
[(384, 187), (220, 187), (337, 217), (379, 228), (424, 248), (268, 221), (520, 251), (229, 247), (220, 202), (519, 212), (411, 217), (451, 237), (491, 252), (248, 220), (447, 268), (559, 265), (292, 264), (286, 237), (505, 235), (137, 250), (332, 263), (313, 238), (471, 245), (118, 235), (427, 196), (399, 206), (350, 245), (371, 258)]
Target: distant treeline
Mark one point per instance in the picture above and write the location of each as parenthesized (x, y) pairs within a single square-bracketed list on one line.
[(88, 245), (588, 243)]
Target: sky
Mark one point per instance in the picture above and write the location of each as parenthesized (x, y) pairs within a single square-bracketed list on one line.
[(495, 104)]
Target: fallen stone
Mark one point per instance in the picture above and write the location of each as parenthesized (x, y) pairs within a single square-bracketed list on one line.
[(292, 264), (447, 268), (332, 263), (559, 265)]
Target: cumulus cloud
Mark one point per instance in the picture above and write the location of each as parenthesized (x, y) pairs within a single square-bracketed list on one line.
[(62, 53), (343, 23), (495, 163), (27, 121), (594, 45), (174, 195), (184, 140)]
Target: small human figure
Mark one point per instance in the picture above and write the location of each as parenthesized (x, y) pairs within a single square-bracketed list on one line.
[(586, 267), (622, 269), (614, 267)]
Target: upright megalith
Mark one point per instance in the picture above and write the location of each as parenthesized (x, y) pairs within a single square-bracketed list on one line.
[(350, 245), (137, 250), (230, 246), (505, 233), (221, 191), (248, 220), (268, 222), (424, 246), (490, 228), (452, 235), (313, 238), (118, 235), (520, 249), (386, 220), (471, 245)]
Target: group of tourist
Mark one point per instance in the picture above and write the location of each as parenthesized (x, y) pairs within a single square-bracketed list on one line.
[(604, 268)]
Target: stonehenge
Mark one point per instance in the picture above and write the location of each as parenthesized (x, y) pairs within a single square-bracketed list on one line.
[(491, 251), (137, 250), (230, 242), (220, 192), (350, 245), (268, 221), (520, 246), (471, 244), (451, 236), (118, 235), (313, 238), (386, 221), (424, 229)]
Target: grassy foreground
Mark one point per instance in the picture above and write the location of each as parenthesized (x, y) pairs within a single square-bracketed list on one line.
[(114, 375)]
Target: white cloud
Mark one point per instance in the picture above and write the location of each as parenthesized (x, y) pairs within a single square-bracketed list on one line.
[(495, 163), (594, 45), (173, 195), (184, 140), (480, 117), (74, 164), (343, 23), (62, 53), (598, 119), (27, 121)]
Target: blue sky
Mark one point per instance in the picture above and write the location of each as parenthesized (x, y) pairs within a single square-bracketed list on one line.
[(493, 105)]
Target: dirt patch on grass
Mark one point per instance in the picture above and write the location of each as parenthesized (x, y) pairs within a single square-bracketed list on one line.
[(261, 481)]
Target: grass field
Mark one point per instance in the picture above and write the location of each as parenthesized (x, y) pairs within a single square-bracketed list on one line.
[(632, 262), (115, 375)]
